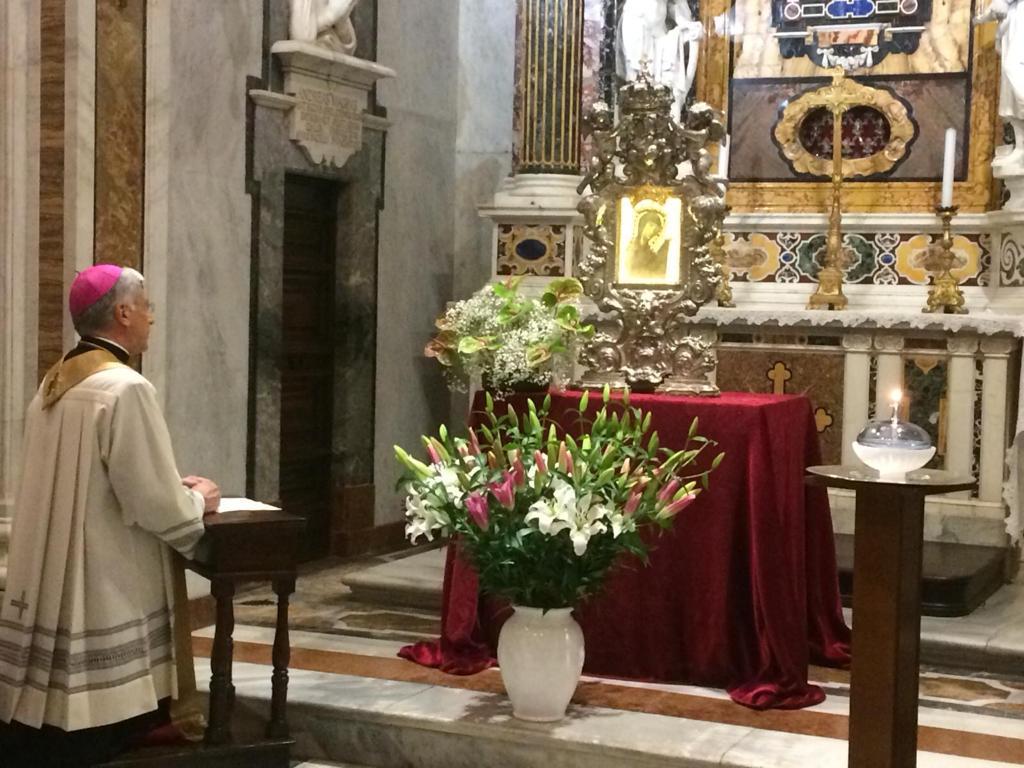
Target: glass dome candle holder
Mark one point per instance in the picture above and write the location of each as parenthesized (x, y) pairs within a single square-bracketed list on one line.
[(893, 447)]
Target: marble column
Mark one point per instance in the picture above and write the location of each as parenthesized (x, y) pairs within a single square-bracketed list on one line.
[(994, 412), (856, 384), (534, 210), (889, 347), (960, 408), (19, 237), (552, 38)]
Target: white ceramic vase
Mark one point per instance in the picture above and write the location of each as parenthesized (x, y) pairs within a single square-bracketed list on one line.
[(541, 658)]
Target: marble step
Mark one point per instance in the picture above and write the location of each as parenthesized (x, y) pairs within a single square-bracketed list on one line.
[(395, 724), (408, 582)]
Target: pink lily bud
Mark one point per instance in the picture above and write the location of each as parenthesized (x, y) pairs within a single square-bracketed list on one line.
[(505, 492), (631, 503), (479, 513), (492, 460), (669, 490), (541, 461), (474, 444), (518, 472), (435, 457), (463, 450), (625, 467), (564, 459), (677, 506), (641, 483)]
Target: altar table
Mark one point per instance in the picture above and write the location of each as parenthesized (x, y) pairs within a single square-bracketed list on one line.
[(741, 594)]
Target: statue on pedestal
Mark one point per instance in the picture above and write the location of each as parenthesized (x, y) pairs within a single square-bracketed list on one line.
[(1010, 44), (326, 23), (670, 54)]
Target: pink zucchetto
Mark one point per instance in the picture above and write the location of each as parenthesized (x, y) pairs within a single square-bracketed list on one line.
[(91, 285)]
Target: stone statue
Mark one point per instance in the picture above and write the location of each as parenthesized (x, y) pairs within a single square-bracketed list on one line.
[(641, 25), (1010, 44), (675, 60), (325, 23), (671, 54)]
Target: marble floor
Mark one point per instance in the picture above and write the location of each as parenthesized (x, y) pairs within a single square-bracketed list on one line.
[(353, 700)]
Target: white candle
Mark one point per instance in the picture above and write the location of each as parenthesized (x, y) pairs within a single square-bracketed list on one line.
[(948, 160), (723, 158), (897, 397)]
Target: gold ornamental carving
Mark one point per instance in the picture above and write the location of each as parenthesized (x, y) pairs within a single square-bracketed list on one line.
[(652, 211), (847, 94)]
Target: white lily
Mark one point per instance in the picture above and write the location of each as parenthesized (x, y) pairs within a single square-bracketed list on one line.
[(547, 517), (586, 522), (619, 522), (423, 517)]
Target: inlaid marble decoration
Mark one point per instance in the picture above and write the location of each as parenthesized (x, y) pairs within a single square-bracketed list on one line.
[(943, 47), (120, 130), (1011, 263), (531, 250), (751, 367), (924, 381), (882, 258)]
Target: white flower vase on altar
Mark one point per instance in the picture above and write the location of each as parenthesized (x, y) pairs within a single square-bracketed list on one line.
[(541, 659)]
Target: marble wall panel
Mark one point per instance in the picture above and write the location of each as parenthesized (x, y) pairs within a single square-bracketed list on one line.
[(19, 231), (881, 258), (485, 132), (120, 131), (1011, 260), (51, 183), (198, 224), (417, 232), (934, 106)]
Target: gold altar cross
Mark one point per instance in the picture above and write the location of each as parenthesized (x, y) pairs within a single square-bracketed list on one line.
[(779, 375)]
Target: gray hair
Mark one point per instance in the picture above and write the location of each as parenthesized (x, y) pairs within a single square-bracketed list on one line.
[(100, 316)]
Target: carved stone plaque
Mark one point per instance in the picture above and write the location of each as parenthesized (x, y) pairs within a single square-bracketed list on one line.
[(328, 93), (327, 124)]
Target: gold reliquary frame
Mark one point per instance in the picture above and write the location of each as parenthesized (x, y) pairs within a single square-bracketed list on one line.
[(652, 211), (973, 194), (847, 94)]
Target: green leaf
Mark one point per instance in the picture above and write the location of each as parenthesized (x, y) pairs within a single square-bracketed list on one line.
[(693, 427), (503, 291), (470, 345), (717, 461)]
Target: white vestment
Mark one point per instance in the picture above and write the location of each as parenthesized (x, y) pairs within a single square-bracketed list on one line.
[(86, 621)]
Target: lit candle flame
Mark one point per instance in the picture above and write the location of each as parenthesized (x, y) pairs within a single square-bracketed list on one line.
[(897, 397)]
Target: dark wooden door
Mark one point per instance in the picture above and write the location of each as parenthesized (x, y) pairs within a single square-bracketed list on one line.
[(307, 360)]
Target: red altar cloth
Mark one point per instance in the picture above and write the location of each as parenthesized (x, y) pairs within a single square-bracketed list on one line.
[(741, 594)]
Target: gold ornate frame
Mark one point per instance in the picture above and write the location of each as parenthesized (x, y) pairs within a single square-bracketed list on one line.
[(973, 195), (643, 336), (850, 94)]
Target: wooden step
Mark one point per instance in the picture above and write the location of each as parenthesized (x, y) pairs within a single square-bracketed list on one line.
[(957, 577)]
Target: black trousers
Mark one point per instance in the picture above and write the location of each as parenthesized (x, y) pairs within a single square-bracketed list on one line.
[(49, 747)]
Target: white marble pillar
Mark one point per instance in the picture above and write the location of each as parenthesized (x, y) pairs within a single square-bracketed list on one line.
[(856, 389), (994, 428), (889, 348), (960, 404), (19, 236)]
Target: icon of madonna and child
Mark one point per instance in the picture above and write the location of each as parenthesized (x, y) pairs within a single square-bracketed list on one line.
[(648, 242)]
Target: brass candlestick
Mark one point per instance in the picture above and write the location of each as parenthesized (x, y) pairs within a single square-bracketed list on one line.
[(945, 294), (723, 294), (829, 293)]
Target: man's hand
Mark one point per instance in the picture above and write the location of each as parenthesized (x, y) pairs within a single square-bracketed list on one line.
[(208, 488)]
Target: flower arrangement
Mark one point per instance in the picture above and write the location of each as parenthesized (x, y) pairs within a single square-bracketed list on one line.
[(506, 338), (543, 515)]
